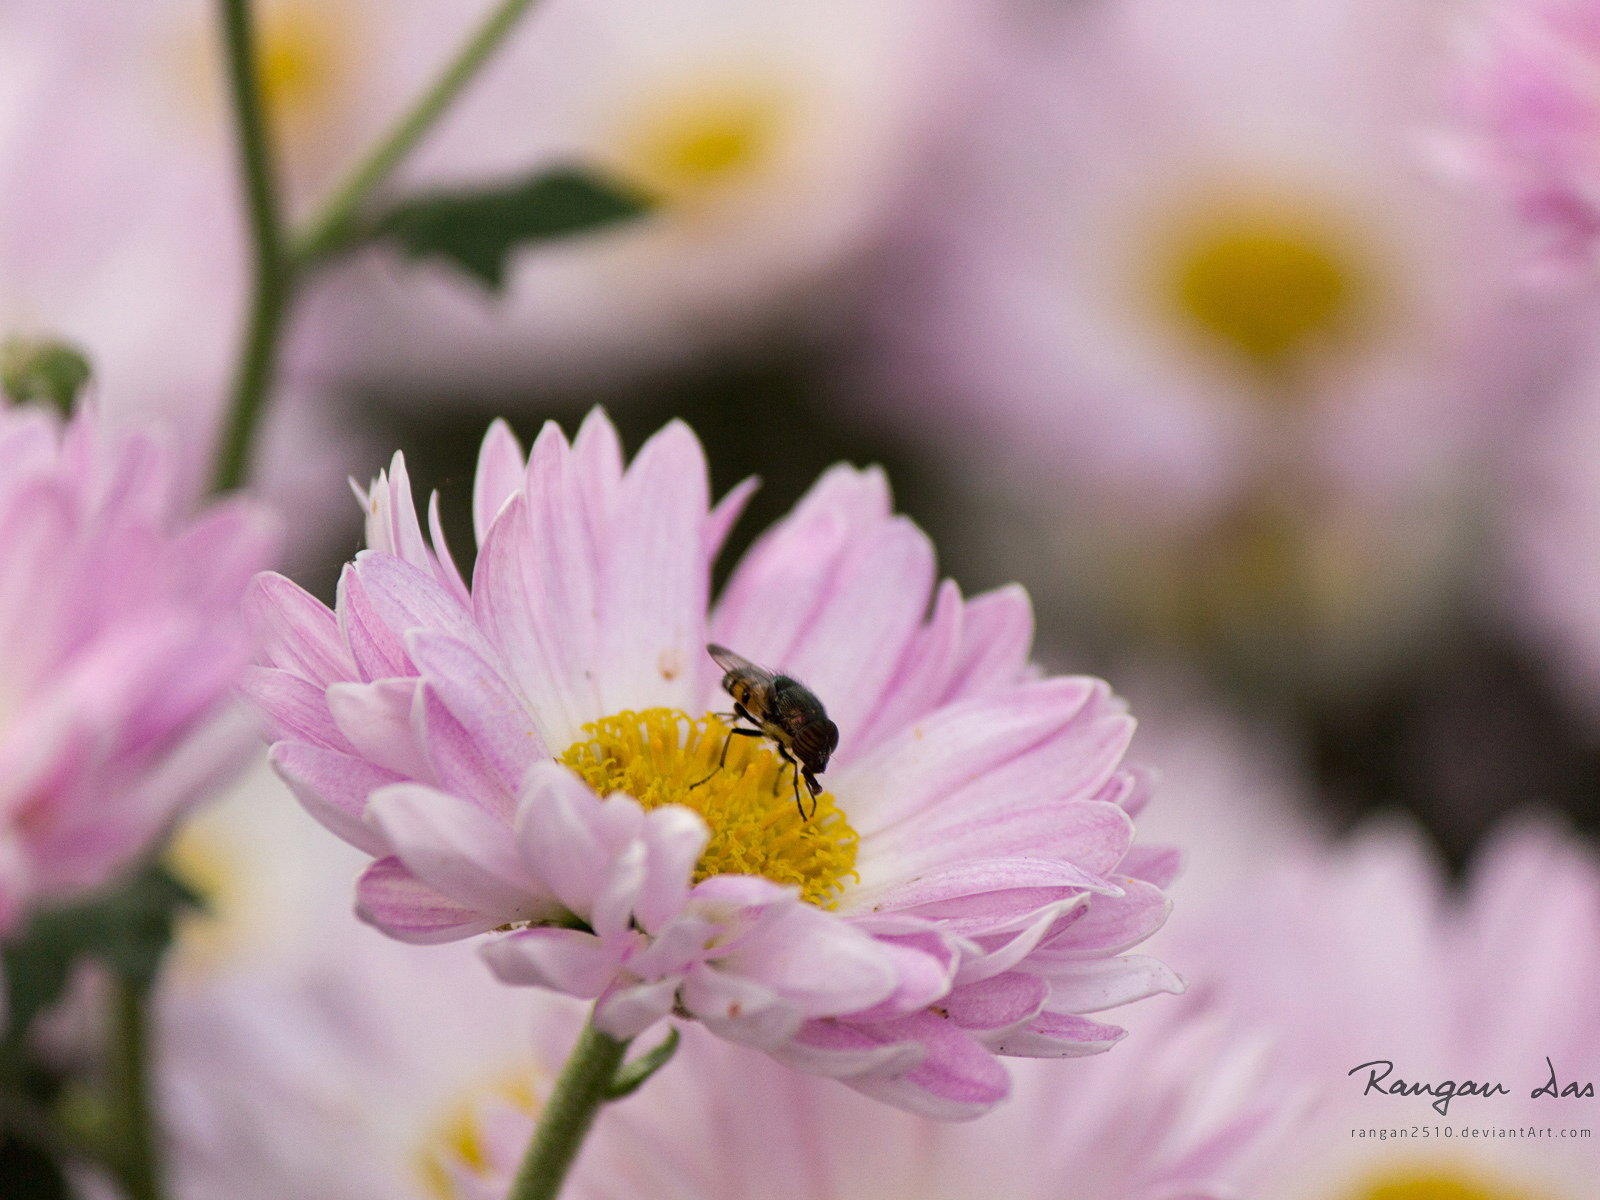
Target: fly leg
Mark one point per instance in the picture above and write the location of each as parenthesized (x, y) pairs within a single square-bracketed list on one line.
[(723, 760), (794, 779)]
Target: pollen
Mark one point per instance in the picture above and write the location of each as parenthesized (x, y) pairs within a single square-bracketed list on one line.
[(660, 756)]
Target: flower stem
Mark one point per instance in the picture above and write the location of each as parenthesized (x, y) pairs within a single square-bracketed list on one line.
[(139, 1161), (584, 1086), (272, 270), (278, 266), (333, 229)]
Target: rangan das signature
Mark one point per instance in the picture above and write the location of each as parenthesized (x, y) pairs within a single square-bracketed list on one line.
[(1444, 1091)]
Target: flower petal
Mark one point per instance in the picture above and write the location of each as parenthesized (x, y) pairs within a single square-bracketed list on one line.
[(299, 632), (740, 1009), (535, 603), (390, 897), (1104, 983), (627, 1012), (333, 788), (478, 697), (1059, 1035), (786, 952), (957, 1079), (654, 578), (459, 850), (294, 707), (565, 960), (997, 1003), (501, 467), (376, 719)]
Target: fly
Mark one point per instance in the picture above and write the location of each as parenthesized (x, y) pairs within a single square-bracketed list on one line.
[(782, 709)]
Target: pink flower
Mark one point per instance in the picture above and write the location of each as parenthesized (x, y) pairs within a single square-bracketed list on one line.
[(1183, 1111), (528, 755), (361, 1072), (269, 1092), (1364, 955), (1531, 96), (1217, 296), (120, 644), (123, 234)]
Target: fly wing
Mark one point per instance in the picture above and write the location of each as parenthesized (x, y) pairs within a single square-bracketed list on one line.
[(738, 664)]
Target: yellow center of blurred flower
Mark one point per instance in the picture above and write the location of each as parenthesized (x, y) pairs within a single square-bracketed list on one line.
[(659, 756), (1439, 1183), (202, 861), (698, 139), (1268, 280), (300, 48), (304, 52), (459, 1145)]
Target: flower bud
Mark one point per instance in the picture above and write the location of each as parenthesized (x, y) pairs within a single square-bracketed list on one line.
[(42, 369)]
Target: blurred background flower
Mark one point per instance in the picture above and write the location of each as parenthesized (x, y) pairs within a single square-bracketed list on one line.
[(1531, 106), (1219, 320), (772, 142), (1368, 956), (121, 640), (464, 1075), (122, 235), (271, 1085)]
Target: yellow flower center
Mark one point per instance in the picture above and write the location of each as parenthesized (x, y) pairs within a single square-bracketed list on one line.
[(305, 52), (660, 756), (300, 50), (1439, 1183), (699, 138), (459, 1145), (1268, 279), (202, 860)]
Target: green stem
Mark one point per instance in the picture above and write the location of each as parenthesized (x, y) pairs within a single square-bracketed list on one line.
[(278, 266), (579, 1094), (139, 1161), (273, 272), (334, 228)]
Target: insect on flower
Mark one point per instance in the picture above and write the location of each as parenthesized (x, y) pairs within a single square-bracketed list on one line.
[(782, 709)]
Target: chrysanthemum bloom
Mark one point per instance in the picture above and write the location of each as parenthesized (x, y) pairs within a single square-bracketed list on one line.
[(270, 880), (1216, 295), (122, 233), (1184, 1108), (365, 1071), (775, 151), (120, 645), (537, 755), (1530, 97), (1363, 955)]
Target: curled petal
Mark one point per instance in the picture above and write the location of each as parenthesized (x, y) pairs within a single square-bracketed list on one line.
[(390, 897)]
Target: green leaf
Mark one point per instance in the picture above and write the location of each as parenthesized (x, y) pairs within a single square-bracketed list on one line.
[(479, 229), (43, 369), (630, 1077), (127, 928)]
